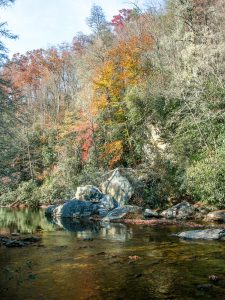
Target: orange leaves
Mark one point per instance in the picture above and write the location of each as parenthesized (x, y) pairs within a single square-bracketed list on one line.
[(35, 67), (122, 67), (28, 69), (113, 152)]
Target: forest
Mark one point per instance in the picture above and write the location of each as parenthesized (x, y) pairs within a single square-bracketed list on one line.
[(144, 92)]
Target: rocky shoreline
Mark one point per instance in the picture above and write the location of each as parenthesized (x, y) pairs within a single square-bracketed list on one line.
[(110, 203)]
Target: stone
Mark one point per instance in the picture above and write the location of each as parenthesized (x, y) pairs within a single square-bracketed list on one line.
[(14, 244), (181, 211), (31, 239), (76, 208), (88, 193), (148, 213), (49, 210), (215, 216), (108, 202), (102, 212), (206, 234), (121, 212), (118, 187)]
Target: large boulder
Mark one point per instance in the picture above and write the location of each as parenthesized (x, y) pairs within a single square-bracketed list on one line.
[(76, 209), (88, 193), (181, 211), (121, 212), (118, 187), (108, 202), (206, 234), (216, 216)]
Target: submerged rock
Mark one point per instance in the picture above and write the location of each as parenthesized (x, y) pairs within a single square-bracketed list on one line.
[(216, 216), (76, 209), (20, 242), (121, 212), (14, 244), (181, 211), (118, 187), (88, 193), (206, 234)]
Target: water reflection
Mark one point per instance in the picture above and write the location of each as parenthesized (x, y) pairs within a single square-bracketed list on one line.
[(23, 221), (85, 228), (30, 221), (86, 260)]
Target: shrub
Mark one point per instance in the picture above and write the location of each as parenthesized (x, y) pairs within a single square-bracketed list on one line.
[(205, 179)]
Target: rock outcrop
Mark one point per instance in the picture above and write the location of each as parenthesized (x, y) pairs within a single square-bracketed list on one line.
[(118, 187), (88, 193)]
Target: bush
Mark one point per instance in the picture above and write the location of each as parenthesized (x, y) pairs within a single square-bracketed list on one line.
[(27, 193), (205, 179), (8, 198)]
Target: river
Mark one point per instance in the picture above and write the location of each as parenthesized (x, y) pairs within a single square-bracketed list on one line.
[(106, 261)]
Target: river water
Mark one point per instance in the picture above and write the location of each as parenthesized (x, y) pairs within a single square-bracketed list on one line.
[(106, 261)]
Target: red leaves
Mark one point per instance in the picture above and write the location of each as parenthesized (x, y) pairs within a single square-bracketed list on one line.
[(121, 19)]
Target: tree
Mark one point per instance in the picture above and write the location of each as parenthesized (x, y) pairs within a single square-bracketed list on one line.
[(5, 32), (97, 21)]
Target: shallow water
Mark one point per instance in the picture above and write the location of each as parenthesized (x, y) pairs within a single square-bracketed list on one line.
[(91, 261)]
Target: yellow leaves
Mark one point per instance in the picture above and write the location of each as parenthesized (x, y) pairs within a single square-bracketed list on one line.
[(122, 66), (113, 152), (104, 75), (99, 103)]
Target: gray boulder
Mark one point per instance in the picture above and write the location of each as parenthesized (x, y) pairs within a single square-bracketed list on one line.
[(108, 202), (118, 187), (88, 193), (216, 216), (148, 213), (181, 211), (76, 209), (121, 212), (206, 234)]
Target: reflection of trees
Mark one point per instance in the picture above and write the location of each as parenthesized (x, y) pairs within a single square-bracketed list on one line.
[(24, 220), (85, 228)]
